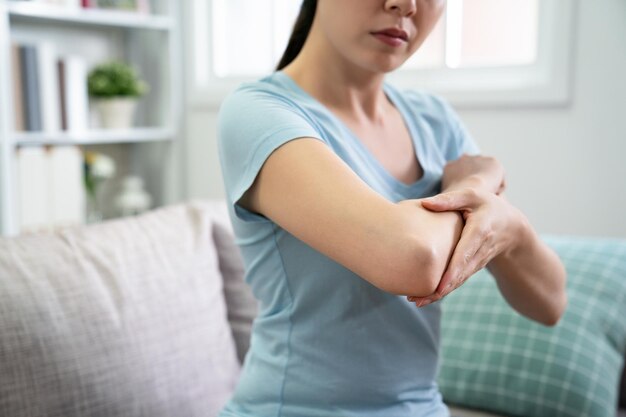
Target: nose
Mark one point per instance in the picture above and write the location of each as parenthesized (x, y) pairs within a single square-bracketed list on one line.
[(405, 8)]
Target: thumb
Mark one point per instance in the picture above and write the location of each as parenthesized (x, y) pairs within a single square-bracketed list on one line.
[(449, 201)]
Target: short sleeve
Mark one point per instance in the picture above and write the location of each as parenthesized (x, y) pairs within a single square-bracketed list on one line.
[(252, 124)]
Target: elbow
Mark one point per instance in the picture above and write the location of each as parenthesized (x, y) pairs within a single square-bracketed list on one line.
[(421, 247), (556, 311), (417, 273)]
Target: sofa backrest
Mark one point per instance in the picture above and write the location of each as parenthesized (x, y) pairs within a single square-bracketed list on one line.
[(123, 318), (138, 316)]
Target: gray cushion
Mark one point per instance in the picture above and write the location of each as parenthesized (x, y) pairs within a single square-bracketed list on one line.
[(124, 318), (240, 302)]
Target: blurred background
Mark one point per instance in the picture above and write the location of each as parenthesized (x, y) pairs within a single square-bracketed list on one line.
[(109, 108)]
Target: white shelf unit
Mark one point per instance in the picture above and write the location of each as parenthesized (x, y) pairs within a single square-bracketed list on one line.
[(149, 42), (42, 12), (94, 137)]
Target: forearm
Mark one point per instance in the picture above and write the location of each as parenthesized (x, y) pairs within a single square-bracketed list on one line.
[(395, 247), (531, 278)]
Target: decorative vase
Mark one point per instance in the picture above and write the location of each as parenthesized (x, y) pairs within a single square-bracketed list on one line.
[(132, 199), (117, 112)]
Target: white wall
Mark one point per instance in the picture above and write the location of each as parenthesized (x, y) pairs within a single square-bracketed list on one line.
[(565, 165)]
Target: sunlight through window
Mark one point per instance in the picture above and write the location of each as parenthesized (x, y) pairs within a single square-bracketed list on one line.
[(249, 36)]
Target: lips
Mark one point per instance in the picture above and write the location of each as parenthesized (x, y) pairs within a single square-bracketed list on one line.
[(393, 33)]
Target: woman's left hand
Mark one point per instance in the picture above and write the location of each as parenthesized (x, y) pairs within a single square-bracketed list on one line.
[(492, 225)]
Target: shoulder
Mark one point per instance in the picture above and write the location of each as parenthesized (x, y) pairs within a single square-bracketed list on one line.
[(265, 104), (261, 115), (262, 95), (269, 107)]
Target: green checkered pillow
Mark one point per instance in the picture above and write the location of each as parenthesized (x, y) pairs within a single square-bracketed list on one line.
[(496, 360)]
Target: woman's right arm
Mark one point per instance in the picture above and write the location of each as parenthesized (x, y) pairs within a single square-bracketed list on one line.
[(310, 192)]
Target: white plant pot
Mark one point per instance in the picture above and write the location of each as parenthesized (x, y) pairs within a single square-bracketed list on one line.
[(116, 113)]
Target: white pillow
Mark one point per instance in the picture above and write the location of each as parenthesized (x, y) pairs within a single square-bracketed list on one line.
[(124, 318)]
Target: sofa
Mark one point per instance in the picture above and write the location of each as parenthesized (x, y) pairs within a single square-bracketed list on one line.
[(150, 316)]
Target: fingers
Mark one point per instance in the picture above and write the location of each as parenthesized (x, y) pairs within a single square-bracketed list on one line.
[(480, 259), (462, 258), (465, 199), (420, 301)]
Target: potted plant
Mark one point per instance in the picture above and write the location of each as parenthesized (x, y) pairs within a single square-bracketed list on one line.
[(116, 87)]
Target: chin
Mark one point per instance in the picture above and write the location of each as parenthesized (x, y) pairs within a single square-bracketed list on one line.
[(386, 67), (379, 63), (386, 63)]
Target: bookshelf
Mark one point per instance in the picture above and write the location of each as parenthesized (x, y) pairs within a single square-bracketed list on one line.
[(93, 137), (150, 42), (37, 12)]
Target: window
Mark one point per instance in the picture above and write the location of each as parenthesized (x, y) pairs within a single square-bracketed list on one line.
[(231, 41), (234, 52), (482, 52), (481, 33)]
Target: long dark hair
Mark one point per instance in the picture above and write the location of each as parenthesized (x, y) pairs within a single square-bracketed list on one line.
[(300, 32)]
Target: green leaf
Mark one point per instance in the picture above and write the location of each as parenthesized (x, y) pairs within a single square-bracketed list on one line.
[(115, 79)]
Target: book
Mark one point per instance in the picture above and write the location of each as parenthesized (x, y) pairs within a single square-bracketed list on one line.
[(33, 205), (139, 6), (19, 123), (129, 5), (76, 96), (65, 184), (51, 193), (61, 88), (48, 86), (30, 87)]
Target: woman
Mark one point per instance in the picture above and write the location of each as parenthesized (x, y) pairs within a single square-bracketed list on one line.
[(328, 170)]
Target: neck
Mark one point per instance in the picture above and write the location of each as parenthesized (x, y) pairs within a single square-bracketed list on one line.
[(340, 85)]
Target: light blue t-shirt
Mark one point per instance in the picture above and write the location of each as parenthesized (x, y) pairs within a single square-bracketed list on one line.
[(326, 342)]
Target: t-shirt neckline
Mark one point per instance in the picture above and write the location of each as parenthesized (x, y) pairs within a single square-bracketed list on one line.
[(418, 147)]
